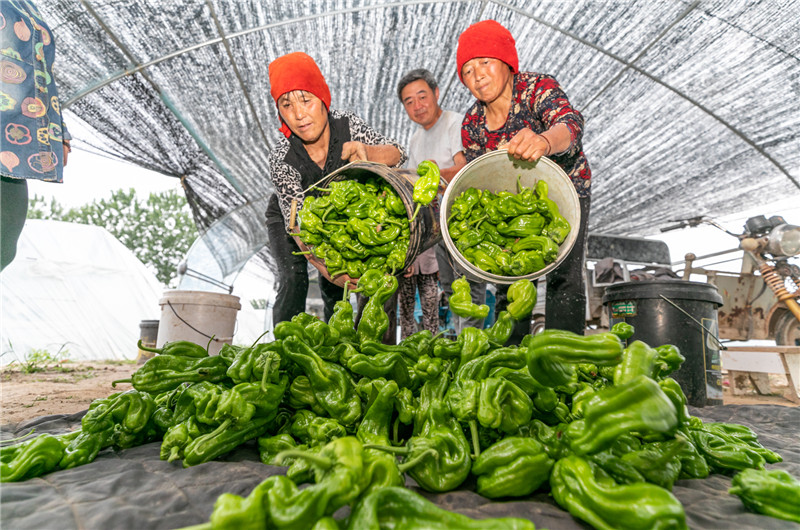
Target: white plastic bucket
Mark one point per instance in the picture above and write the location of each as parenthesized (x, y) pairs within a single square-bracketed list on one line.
[(197, 316), (496, 171)]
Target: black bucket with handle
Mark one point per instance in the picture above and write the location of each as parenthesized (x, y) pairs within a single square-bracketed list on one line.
[(675, 312)]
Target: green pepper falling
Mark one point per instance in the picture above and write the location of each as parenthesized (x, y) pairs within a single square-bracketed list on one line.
[(427, 185)]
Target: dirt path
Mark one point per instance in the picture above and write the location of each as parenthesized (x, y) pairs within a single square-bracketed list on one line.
[(63, 388), (70, 387)]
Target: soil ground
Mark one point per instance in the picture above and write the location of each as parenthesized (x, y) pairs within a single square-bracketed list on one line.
[(61, 388), (68, 387)]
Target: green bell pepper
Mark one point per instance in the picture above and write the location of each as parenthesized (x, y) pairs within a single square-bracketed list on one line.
[(502, 328), (396, 507), (380, 468), (770, 492), (163, 373), (526, 262), (32, 458), (270, 446), (623, 330), (301, 395), (545, 245), (374, 320), (342, 319), (637, 359), (589, 494), (522, 226), (463, 205), (183, 348), (512, 467), (437, 454), (558, 228), (724, 455), (522, 298), (224, 439), (636, 406), (461, 301), (427, 185), (313, 430), (669, 360), (332, 386)]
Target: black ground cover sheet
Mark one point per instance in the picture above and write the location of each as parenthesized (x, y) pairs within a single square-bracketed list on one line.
[(134, 489)]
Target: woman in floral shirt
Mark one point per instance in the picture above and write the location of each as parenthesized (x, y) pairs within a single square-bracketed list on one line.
[(528, 114)]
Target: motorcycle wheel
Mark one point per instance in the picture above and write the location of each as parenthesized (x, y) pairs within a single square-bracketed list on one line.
[(787, 330)]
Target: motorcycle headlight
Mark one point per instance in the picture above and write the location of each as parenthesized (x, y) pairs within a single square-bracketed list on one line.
[(784, 240)]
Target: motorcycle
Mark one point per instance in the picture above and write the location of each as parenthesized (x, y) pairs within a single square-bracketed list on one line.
[(760, 300)]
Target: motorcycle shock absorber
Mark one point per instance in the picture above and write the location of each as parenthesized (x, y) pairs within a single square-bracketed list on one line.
[(777, 285), (794, 285), (774, 281)]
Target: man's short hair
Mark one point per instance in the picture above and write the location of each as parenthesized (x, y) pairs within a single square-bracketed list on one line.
[(416, 75)]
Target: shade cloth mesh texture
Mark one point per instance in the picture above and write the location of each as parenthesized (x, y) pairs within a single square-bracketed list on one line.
[(691, 107)]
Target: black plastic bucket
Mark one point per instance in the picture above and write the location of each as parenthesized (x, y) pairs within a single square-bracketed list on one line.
[(675, 312), (424, 230)]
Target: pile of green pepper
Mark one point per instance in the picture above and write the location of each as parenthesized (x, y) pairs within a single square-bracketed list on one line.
[(361, 226), (508, 234), (356, 227), (597, 422)]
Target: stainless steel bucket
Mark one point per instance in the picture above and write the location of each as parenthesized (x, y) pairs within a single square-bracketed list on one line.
[(497, 171)]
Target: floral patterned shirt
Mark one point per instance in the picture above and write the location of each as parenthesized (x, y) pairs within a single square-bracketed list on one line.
[(538, 103), (32, 130)]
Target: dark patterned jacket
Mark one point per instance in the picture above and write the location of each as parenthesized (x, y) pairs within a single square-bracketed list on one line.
[(284, 171), (538, 103)]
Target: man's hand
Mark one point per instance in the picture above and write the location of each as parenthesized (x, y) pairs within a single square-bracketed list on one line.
[(67, 150), (352, 151), (411, 271)]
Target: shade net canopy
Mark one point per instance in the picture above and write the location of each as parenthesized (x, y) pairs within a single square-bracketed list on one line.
[(691, 108)]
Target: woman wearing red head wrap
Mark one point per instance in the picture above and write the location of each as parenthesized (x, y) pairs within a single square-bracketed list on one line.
[(317, 141), (528, 114)]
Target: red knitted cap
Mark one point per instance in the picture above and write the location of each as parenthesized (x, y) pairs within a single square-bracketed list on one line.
[(487, 38), (297, 71)]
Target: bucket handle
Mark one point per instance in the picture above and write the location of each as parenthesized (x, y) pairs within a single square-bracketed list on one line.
[(710, 334), (209, 337), (312, 186)]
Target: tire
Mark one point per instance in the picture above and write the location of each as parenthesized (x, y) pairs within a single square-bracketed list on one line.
[(787, 330)]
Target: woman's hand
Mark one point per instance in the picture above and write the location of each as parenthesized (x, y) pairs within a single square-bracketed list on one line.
[(352, 151), (383, 154), (341, 280), (527, 145)]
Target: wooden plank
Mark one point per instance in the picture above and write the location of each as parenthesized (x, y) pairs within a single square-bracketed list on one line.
[(766, 360), (766, 349), (750, 361)]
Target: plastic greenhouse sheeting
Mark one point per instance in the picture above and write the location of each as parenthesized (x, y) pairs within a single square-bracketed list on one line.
[(691, 107), (75, 291)]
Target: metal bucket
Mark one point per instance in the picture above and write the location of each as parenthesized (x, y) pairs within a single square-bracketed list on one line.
[(497, 171), (424, 231)]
